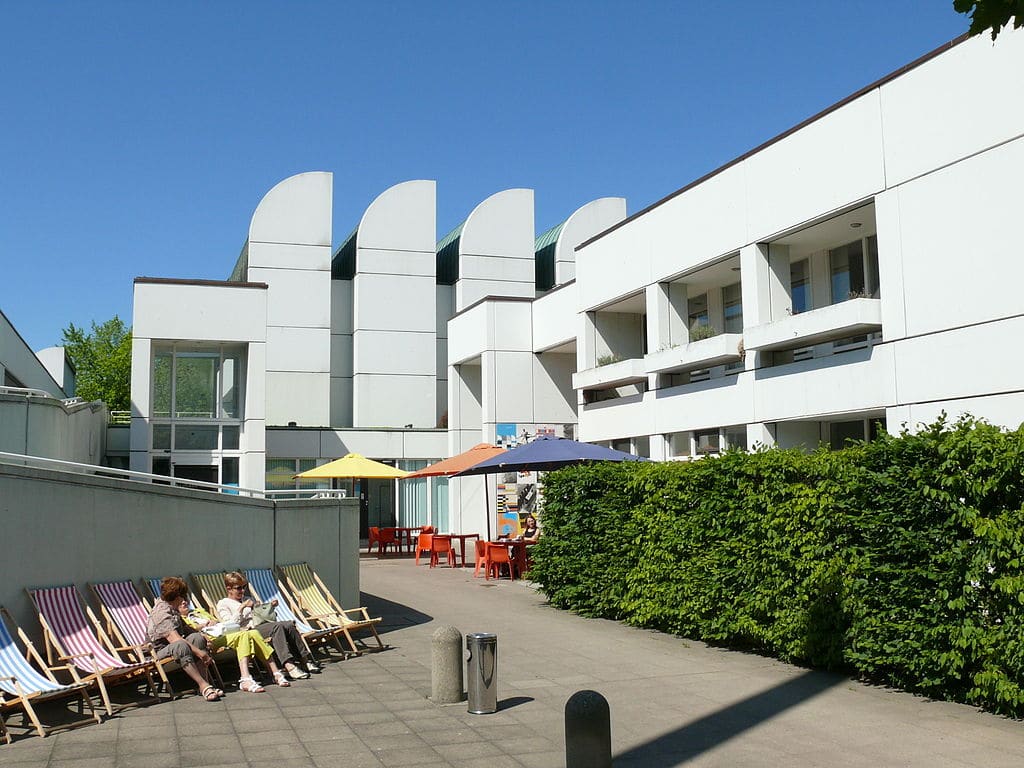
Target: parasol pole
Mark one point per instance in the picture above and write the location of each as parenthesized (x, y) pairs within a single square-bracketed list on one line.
[(487, 502)]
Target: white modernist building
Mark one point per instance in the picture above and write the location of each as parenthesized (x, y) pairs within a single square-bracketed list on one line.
[(857, 272)]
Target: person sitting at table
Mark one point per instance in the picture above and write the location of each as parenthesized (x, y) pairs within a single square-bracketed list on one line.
[(530, 530), (244, 642), (288, 644)]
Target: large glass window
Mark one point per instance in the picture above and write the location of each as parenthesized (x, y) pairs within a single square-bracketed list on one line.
[(853, 275), (195, 386), (732, 303), (162, 363), (800, 286), (697, 316)]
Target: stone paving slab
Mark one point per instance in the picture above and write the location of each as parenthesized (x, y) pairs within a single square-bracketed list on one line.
[(673, 702)]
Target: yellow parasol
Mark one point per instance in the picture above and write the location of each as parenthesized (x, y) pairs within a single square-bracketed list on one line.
[(355, 466)]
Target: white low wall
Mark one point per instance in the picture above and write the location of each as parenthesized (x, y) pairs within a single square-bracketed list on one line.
[(61, 528)]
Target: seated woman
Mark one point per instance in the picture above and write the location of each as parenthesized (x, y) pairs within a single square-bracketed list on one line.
[(531, 533), (170, 636), (288, 644), (245, 643)]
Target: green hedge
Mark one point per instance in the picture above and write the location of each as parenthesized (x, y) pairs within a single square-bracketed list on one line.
[(901, 560)]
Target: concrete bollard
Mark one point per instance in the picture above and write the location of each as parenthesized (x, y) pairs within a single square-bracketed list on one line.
[(588, 731), (446, 666)]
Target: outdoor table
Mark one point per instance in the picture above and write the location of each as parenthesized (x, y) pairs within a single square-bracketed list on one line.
[(409, 534), (462, 542)]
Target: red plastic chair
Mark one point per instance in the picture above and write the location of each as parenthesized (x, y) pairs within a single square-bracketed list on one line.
[(423, 544), (373, 538), (441, 545), (481, 557), (497, 556), (387, 537)]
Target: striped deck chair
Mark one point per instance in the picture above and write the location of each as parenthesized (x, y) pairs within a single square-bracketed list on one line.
[(210, 587), (73, 634), (125, 617), (21, 685), (322, 609), (266, 588)]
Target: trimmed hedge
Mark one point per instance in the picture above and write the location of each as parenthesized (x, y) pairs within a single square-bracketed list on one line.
[(901, 560)]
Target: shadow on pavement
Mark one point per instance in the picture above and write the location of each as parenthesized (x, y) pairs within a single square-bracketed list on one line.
[(710, 731), (394, 615), (513, 701)]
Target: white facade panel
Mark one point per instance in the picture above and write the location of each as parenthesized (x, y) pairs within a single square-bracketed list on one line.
[(293, 443), (834, 161), (512, 395), (628, 416), (520, 269), (960, 252), (469, 292), (402, 218), (394, 303), (467, 334), (341, 355), (212, 312), (554, 399), (389, 400), (255, 393), (554, 318), (300, 397), (860, 380), (298, 349), (296, 298), (709, 404), (976, 360), (389, 262), (297, 210), (373, 444), (510, 325), (1006, 410), (289, 256), (422, 444), (395, 352), (952, 106)]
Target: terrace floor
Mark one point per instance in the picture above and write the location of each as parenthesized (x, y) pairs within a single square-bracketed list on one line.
[(673, 702)]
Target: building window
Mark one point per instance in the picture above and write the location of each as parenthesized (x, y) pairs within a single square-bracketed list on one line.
[(853, 276), (736, 437), (732, 303), (800, 286), (707, 442), (697, 314), (280, 476), (679, 444)]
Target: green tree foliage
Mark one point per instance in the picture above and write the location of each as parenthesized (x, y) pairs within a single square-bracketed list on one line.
[(991, 15), (103, 362), (900, 560)]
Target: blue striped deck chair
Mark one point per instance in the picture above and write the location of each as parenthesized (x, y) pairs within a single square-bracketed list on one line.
[(266, 588), (21, 685)]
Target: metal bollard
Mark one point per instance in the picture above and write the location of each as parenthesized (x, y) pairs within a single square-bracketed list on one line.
[(588, 731), (482, 673), (446, 666)]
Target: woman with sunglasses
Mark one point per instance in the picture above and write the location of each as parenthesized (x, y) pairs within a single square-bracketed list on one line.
[(288, 644)]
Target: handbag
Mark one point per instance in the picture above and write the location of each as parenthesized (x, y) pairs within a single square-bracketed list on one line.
[(263, 613)]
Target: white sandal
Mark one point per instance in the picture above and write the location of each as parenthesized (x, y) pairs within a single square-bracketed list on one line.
[(249, 685), (281, 680)]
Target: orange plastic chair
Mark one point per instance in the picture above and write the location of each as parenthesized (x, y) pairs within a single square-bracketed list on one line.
[(423, 544), (497, 556), (428, 529), (441, 545), (387, 537), (373, 539), (481, 557)]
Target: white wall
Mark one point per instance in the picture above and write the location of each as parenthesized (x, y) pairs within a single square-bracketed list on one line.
[(290, 250), (394, 347), (18, 359)]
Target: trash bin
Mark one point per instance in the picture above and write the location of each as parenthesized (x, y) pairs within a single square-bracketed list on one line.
[(482, 672)]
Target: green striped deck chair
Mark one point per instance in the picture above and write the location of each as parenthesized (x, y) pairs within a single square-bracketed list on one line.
[(321, 608), (210, 588)]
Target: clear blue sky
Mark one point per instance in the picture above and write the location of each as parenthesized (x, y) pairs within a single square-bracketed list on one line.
[(137, 138)]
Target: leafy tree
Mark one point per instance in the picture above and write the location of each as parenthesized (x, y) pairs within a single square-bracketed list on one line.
[(103, 362), (991, 14)]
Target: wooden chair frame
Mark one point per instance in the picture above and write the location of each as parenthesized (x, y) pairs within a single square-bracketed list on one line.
[(312, 636)]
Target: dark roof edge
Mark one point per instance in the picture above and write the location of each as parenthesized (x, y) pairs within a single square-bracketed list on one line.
[(214, 283), (852, 97)]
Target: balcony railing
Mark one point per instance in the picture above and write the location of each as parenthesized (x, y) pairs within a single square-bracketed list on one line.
[(722, 349), (612, 375), (854, 317)]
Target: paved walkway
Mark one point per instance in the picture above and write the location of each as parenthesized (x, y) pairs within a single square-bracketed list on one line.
[(673, 702)]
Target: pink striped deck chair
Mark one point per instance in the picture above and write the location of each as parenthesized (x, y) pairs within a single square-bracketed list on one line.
[(73, 635), (125, 617)]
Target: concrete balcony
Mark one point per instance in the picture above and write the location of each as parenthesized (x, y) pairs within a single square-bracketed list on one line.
[(612, 375), (854, 317), (706, 353)]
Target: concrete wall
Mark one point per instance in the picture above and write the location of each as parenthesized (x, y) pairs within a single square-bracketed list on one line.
[(61, 528), (39, 426)]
